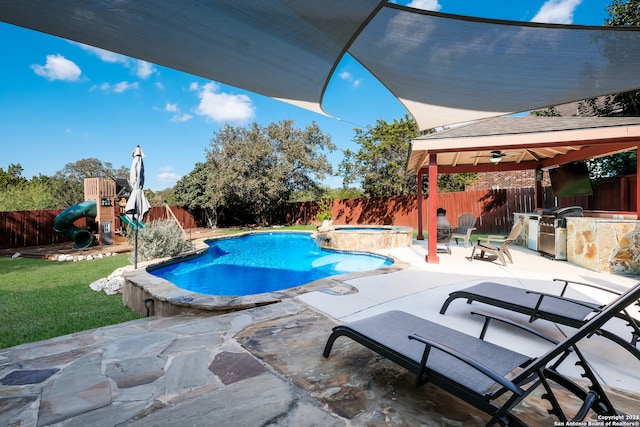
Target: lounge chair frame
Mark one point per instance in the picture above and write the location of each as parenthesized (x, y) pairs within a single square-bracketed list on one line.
[(439, 361), (554, 308)]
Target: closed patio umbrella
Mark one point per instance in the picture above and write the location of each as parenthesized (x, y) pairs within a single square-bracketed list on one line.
[(137, 205)]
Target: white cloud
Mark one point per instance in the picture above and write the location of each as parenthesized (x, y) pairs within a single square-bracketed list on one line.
[(124, 86), (181, 117), (178, 117), (168, 175), (425, 5), (116, 88), (347, 76), (557, 12), (223, 107), (106, 55), (144, 69), (58, 67)]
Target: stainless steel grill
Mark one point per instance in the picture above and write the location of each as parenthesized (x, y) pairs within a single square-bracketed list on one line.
[(552, 231)]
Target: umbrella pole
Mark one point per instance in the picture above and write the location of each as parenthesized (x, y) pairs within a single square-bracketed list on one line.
[(135, 246)]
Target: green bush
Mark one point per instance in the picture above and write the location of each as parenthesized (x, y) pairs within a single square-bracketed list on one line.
[(325, 206), (158, 239)]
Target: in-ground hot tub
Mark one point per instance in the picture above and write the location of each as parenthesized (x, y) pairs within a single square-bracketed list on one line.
[(364, 237)]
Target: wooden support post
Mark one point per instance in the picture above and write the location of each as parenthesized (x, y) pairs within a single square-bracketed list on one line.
[(420, 197), (638, 183), (432, 207)]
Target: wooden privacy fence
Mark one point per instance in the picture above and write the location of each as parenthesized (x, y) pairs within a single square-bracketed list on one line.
[(30, 228), (493, 208), (34, 228)]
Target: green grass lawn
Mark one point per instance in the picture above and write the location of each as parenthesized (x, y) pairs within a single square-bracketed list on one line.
[(42, 299)]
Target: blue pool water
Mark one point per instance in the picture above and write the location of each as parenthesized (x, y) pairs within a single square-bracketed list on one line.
[(264, 262)]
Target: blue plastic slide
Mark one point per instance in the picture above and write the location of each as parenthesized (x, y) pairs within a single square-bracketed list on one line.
[(63, 223)]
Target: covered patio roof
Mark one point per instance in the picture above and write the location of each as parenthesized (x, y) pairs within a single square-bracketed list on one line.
[(515, 143), (528, 142)]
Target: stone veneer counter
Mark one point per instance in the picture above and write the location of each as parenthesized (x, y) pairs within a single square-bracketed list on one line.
[(604, 244)]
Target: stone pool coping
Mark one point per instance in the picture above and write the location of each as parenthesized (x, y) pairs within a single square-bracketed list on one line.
[(365, 238), (148, 294)]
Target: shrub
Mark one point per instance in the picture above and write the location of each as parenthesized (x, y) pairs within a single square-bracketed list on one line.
[(158, 239), (324, 206)]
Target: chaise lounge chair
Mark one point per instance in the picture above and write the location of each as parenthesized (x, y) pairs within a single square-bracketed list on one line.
[(539, 305), (486, 245), (481, 373)]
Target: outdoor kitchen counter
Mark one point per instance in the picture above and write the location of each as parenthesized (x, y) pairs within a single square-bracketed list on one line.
[(529, 231), (604, 244)]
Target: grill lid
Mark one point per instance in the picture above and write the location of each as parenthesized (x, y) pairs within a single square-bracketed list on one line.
[(563, 212)]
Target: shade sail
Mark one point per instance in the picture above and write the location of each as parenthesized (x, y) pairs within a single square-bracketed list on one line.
[(282, 49), (447, 69), (444, 68)]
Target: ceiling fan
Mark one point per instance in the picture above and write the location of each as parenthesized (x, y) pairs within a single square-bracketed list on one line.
[(496, 155)]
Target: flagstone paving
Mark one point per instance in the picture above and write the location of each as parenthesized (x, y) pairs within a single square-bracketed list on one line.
[(260, 367)]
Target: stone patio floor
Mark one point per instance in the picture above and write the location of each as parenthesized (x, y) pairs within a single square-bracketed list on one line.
[(264, 366)]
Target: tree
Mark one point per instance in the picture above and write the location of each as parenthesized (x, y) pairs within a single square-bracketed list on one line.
[(68, 183), (548, 112), (191, 192), (621, 13), (626, 13), (12, 176), (255, 169), (379, 165), (19, 194), (380, 162), (26, 196)]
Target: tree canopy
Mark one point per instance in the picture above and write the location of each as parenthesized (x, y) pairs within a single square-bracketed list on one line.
[(12, 176), (380, 162), (253, 170), (62, 190), (626, 13), (621, 13), (379, 165)]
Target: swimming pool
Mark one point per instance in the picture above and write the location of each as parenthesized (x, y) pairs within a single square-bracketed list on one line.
[(263, 262)]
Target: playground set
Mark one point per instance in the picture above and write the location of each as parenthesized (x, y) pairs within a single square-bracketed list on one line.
[(105, 201)]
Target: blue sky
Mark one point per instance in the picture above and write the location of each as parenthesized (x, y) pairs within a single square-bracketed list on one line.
[(61, 101)]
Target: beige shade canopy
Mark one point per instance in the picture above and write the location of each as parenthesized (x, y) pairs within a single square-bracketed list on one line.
[(528, 142), (444, 68)]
